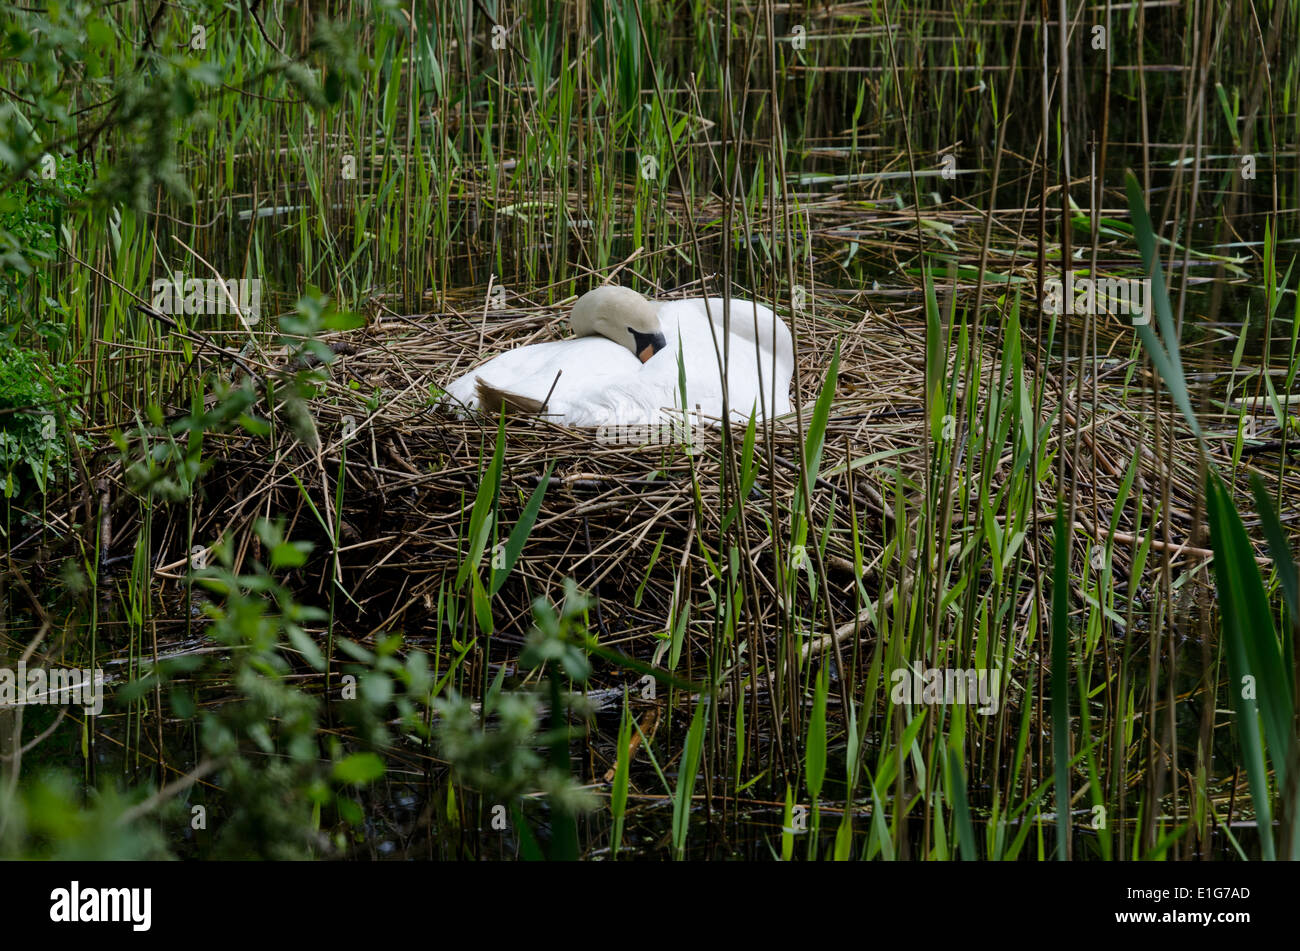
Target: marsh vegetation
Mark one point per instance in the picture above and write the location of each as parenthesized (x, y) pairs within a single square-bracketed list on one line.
[(1013, 580)]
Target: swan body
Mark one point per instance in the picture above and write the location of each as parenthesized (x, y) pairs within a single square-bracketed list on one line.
[(607, 377)]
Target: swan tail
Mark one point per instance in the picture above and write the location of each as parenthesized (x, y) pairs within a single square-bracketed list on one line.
[(492, 400)]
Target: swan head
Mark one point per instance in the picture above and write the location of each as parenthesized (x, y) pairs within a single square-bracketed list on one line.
[(622, 315)]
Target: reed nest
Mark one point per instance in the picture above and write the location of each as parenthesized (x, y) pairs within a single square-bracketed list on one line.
[(638, 526)]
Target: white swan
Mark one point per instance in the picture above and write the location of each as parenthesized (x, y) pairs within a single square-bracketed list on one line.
[(621, 365)]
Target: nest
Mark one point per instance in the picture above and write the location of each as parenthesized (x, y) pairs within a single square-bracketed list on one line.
[(649, 528)]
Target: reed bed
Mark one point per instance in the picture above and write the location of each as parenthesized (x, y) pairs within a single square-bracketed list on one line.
[(970, 480), (386, 481)]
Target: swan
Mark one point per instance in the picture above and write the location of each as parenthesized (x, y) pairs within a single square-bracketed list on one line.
[(621, 365)]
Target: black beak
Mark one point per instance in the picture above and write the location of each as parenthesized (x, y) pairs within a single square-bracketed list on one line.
[(647, 345)]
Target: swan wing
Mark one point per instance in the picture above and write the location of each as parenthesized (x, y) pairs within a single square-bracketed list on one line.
[(570, 371)]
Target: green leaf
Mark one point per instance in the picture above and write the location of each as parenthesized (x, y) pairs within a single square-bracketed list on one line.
[(519, 535), (787, 827), (684, 795), (290, 554), (1164, 352), (960, 806), (482, 603), (528, 846), (304, 644), (815, 751), (1256, 674), (1277, 546), (359, 768), (618, 793), (481, 516), (817, 427)]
